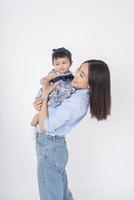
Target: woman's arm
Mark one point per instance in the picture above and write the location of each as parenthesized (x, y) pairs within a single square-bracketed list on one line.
[(35, 120), (37, 105), (43, 113)]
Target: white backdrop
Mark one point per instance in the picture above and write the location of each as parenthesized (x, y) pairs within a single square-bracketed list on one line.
[(101, 162)]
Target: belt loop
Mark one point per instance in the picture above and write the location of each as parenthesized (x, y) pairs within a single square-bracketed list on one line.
[(54, 138)]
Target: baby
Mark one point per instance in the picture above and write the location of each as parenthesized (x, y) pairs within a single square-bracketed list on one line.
[(62, 61)]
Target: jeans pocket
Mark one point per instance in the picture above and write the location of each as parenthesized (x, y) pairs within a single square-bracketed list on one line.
[(40, 139), (60, 158), (41, 150)]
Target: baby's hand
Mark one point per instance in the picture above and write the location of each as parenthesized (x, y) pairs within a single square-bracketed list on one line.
[(51, 75), (45, 80)]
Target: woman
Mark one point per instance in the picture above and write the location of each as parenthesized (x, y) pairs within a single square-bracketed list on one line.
[(92, 84)]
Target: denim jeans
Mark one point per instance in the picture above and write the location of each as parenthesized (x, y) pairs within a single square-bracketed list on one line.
[(52, 157)]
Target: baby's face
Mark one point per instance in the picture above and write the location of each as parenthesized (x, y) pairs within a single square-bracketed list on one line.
[(62, 65)]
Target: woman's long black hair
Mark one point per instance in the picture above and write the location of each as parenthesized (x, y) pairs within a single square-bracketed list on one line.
[(100, 89)]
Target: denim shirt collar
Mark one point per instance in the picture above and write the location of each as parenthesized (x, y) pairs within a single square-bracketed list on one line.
[(82, 91)]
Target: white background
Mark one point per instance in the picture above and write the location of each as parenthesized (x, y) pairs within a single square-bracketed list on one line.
[(101, 161)]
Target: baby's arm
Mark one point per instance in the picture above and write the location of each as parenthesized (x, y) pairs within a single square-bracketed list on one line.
[(35, 120), (49, 77)]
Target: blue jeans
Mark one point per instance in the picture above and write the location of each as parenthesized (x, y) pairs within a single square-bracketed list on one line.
[(52, 157)]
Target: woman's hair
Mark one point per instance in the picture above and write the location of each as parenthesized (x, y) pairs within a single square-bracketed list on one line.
[(61, 53), (100, 89)]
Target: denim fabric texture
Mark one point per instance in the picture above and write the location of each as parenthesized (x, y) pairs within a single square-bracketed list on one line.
[(52, 158)]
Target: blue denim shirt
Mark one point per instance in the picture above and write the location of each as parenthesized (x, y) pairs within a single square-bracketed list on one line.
[(63, 118)]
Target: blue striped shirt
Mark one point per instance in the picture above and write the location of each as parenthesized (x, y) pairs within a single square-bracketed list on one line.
[(63, 118)]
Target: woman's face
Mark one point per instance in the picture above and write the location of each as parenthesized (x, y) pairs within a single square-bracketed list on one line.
[(80, 80)]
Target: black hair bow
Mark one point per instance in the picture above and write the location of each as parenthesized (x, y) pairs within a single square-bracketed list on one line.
[(62, 49)]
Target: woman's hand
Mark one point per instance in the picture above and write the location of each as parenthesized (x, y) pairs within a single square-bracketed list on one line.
[(37, 104), (47, 89)]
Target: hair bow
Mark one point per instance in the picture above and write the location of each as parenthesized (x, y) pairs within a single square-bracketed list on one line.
[(62, 49)]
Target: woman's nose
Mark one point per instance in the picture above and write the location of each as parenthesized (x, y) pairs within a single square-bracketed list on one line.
[(77, 73)]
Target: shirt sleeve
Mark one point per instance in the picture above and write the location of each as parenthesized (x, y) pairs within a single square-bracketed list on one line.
[(60, 115)]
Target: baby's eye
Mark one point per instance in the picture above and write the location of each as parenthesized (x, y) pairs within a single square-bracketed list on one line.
[(81, 75)]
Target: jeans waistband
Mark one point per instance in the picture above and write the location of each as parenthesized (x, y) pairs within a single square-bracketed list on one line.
[(51, 137)]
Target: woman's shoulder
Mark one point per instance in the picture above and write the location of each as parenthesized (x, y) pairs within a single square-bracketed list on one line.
[(78, 102), (81, 95)]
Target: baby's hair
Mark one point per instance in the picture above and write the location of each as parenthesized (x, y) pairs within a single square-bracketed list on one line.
[(61, 53)]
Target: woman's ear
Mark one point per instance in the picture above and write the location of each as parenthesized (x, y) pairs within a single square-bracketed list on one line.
[(88, 86)]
